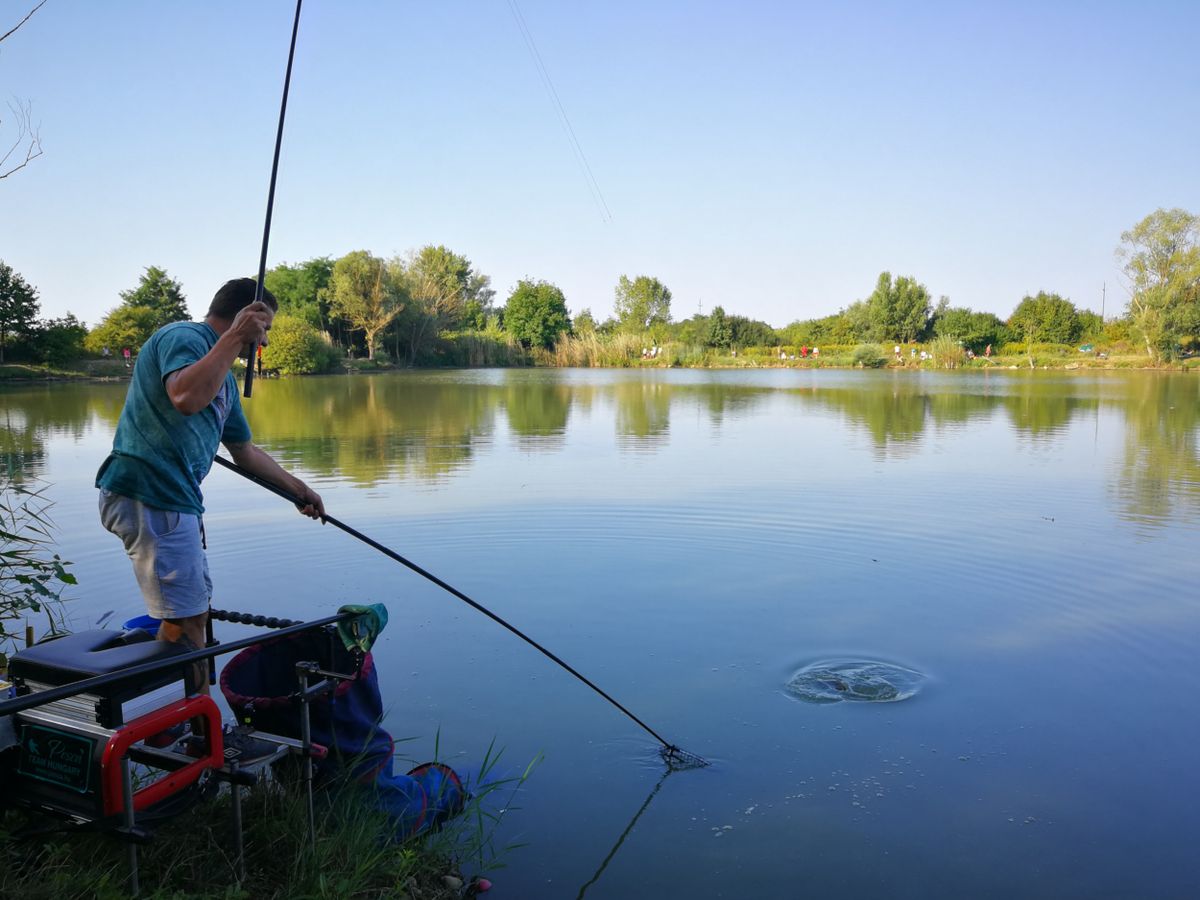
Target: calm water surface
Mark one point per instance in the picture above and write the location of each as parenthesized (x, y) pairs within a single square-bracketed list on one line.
[(1029, 542)]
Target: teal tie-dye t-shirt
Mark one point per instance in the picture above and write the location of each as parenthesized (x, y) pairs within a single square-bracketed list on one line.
[(159, 455)]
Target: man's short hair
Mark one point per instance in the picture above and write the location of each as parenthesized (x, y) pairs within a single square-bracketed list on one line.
[(235, 295)]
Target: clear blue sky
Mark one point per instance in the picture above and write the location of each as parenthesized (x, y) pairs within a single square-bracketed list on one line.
[(769, 157)]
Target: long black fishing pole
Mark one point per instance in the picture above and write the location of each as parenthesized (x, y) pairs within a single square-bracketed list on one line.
[(674, 756), (262, 260)]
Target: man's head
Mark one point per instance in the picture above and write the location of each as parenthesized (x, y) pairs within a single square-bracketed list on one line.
[(234, 296)]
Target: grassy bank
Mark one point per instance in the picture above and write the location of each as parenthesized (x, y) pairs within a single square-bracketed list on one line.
[(587, 352), (192, 854)]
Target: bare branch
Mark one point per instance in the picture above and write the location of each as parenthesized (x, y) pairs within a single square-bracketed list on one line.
[(23, 21), (28, 136)]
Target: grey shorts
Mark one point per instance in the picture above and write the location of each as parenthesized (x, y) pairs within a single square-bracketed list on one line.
[(168, 557)]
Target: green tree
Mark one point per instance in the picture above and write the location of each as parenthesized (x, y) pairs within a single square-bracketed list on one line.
[(1046, 319), (898, 310), (478, 295), (1161, 254), (642, 303), (365, 293), (745, 332), (719, 333), (125, 326), (158, 291), (297, 348), (18, 307), (303, 289), (536, 314), (585, 322), (975, 329), (59, 341), (440, 283)]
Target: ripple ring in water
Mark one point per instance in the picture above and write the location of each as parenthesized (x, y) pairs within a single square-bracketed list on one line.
[(863, 680)]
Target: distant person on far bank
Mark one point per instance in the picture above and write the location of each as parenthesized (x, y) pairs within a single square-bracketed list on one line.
[(182, 403), (125, 353)]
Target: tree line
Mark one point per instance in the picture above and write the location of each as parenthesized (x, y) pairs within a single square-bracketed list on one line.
[(421, 308)]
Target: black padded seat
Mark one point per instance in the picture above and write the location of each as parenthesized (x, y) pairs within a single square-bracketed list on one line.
[(84, 654)]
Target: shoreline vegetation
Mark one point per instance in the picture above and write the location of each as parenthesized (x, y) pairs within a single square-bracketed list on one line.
[(1042, 357), (431, 308)]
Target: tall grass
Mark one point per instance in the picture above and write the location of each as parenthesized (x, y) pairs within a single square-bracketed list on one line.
[(948, 353), (594, 350), (191, 856), (483, 349)]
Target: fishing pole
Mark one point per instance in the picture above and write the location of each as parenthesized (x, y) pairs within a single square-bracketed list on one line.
[(674, 756), (252, 349)]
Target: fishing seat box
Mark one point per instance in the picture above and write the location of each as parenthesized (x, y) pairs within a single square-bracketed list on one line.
[(69, 751), (86, 654)]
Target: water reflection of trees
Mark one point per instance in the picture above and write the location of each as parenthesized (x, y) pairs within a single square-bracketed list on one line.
[(1159, 476), (643, 413), (31, 416), (368, 429), (1041, 408), (537, 412), (416, 425)]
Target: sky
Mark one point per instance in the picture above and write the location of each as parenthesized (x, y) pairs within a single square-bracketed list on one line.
[(771, 158)]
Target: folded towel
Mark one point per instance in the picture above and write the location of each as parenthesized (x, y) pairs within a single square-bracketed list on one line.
[(360, 632)]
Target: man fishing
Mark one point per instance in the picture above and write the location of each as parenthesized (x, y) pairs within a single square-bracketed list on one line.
[(182, 402)]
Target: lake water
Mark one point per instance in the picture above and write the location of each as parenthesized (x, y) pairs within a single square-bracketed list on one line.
[(1027, 543)]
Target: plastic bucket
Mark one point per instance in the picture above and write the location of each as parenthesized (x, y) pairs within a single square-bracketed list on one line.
[(148, 624)]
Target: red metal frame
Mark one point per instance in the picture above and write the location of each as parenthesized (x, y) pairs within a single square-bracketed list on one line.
[(196, 707)]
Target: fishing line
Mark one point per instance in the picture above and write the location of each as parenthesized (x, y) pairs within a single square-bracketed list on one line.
[(672, 755), (262, 260), (531, 45)]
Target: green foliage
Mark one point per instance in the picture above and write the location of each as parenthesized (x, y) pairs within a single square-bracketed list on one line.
[(295, 347), (18, 307), (156, 301), (948, 353), (1046, 319), (975, 329), (584, 322), (1091, 326), (439, 284), (159, 292), (868, 356), (536, 314), (719, 335), (1162, 262), (32, 576), (356, 853), (898, 310), (125, 326), (751, 333), (597, 348), (838, 328), (303, 289), (365, 293), (642, 303), (489, 348), (59, 341)]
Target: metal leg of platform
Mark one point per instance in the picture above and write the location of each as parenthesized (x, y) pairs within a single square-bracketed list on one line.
[(130, 834), (306, 742)]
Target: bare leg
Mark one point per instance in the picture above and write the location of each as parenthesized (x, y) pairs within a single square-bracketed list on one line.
[(190, 633)]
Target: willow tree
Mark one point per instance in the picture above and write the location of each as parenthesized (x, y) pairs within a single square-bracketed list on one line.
[(440, 284), (365, 294)]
